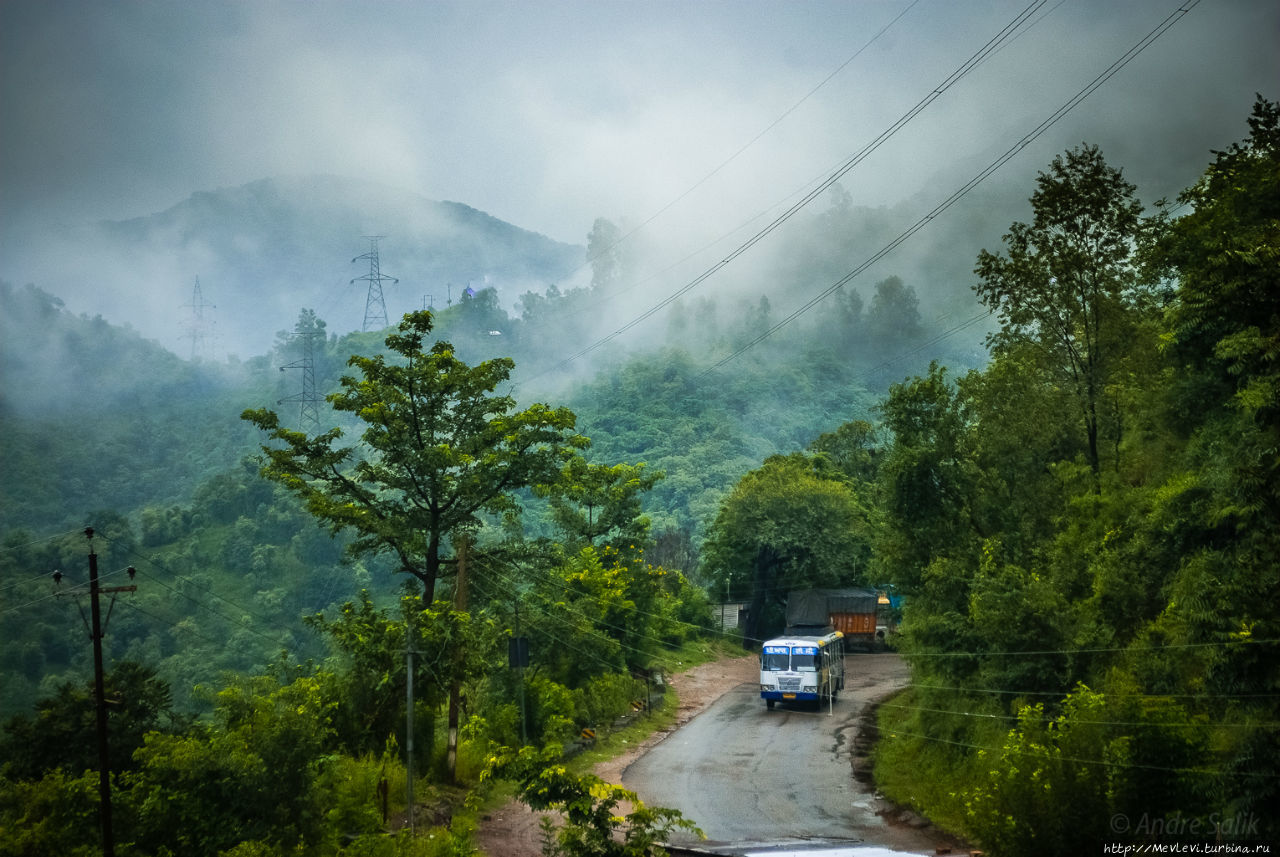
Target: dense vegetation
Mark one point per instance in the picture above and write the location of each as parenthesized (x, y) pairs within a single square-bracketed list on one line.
[(1084, 531)]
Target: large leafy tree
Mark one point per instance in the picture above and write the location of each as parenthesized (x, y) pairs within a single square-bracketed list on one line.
[(439, 449), (1225, 339), (1226, 319), (791, 524), (1068, 280), (591, 502)]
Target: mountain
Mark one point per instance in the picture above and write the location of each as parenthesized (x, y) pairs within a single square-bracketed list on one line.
[(264, 250)]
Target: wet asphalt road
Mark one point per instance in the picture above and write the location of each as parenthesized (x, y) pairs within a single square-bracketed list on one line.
[(745, 774)]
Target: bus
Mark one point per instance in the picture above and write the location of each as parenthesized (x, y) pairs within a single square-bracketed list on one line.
[(802, 669)]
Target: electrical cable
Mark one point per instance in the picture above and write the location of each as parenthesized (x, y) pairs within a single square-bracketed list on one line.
[(1164, 724), (74, 589), (590, 629), (1017, 147), (240, 623), (1134, 765), (143, 558), (1063, 693), (564, 584), (173, 623), (775, 123), (947, 83)]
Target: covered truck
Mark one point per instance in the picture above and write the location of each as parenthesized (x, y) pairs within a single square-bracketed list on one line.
[(850, 610)]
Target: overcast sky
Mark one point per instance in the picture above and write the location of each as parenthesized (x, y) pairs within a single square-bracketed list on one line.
[(550, 114)]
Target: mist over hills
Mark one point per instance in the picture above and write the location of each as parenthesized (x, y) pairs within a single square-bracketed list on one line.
[(265, 249)]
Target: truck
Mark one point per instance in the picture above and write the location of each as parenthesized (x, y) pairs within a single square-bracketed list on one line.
[(802, 669), (850, 610)]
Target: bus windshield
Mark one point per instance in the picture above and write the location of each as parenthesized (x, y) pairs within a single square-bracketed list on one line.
[(807, 658), (775, 658)]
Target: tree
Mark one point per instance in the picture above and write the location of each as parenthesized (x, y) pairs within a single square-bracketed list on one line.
[(597, 501), (927, 479), (61, 734), (604, 252), (439, 449), (251, 774), (851, 449), (894, 316), (788, 527), (1068, 279), (592, 825)]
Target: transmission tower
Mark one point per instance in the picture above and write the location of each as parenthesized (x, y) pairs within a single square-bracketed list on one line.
[(308, 400), (197, 326), (375, 308)]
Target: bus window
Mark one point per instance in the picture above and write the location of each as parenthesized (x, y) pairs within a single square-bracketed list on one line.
[(807, 659), (775, 658)]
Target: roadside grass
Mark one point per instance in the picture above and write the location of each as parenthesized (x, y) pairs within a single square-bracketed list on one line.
[(662, 715), (931, 775), (612, 742)]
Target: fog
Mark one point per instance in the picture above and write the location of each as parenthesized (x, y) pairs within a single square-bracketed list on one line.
[(691, 123)]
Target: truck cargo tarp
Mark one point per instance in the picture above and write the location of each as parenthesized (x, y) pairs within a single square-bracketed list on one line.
[(814, 606)]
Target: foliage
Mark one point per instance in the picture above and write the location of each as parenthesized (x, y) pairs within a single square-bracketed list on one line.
[(438, 449), (591, 502), (62, 734), (369, 684), (252, 775), (57, 814), (789, 525), (1068, 282), (1030, 569), (591, 826)]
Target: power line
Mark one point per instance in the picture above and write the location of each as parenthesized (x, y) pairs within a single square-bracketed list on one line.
[(947, 83), (41, 540), (1064, 693), (1164, 724), (775, 123), (1102, 762), (143, 558), (1093, 650), (79, 586), (1017, 147), (550, 578)]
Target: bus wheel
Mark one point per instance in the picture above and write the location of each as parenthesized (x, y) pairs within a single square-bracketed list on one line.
[(769, 704)]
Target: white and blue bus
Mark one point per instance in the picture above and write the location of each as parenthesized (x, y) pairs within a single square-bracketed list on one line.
[(802, 669)]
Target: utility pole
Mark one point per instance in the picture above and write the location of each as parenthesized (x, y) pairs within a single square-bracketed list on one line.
[(518, 658), (375, 308), (97, 629), (455, 683), (308, 399), (410, 650)]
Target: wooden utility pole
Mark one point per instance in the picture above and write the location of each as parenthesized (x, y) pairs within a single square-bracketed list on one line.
[(455, 683), (100, 696), (97, 628)]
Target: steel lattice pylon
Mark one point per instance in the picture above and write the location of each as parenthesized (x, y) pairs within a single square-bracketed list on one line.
[(375, 308)]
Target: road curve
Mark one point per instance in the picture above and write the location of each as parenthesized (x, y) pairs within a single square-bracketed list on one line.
[(747, 775)]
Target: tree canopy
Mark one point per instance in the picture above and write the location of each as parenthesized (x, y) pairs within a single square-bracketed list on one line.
[(439, 448)]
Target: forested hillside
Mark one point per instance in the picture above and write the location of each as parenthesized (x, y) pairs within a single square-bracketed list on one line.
[(104, 428), (263, 249), (1085, 530)]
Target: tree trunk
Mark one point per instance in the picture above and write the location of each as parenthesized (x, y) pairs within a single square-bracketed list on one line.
[(753, 633), (455, 684)]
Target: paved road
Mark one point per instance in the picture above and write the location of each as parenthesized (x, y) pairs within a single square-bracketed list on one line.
[(745, 774)]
